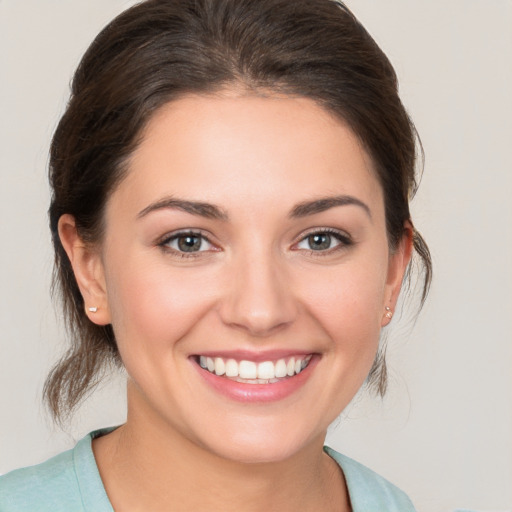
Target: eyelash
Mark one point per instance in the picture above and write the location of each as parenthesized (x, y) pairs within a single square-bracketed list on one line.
[(344, 241), (343, 238), (164, 244)]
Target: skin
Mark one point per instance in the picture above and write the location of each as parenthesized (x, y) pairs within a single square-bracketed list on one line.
[(256, 285)]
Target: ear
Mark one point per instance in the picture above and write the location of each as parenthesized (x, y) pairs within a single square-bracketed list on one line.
[(398, 261), (88, 269)]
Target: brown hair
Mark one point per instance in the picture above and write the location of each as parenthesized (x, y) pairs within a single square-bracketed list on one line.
[(159, 50)]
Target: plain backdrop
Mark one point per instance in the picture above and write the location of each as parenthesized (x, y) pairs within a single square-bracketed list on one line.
[(444, 432)]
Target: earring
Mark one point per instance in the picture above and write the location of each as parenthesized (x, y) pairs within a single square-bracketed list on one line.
[(93, 310), (389, 314)]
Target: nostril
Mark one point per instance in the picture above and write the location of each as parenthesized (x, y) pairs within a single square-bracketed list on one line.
[(258, 297), (259, 326)]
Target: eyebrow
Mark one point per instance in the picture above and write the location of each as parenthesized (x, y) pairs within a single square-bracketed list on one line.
[(206, 210), (325, 203), (211, 211)]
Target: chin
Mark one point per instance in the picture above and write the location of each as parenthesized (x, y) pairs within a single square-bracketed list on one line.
[(258, 453), (263, 445)]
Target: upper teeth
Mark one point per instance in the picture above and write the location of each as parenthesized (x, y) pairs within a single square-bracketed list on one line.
[(251, 370)]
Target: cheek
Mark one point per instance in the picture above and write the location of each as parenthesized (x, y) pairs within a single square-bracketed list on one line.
[(348, 302), (154, 305)]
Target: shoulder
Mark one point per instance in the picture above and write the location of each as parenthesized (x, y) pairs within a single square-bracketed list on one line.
[(369, 492), (41, 487), (68, 482)]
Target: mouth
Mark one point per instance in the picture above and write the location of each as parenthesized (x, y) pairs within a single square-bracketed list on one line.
[(246, 371)]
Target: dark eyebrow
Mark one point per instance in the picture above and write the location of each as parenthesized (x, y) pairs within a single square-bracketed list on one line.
[(207, 210), (325, 203)]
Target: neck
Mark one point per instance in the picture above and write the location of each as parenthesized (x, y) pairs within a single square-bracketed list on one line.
[(148, 465)]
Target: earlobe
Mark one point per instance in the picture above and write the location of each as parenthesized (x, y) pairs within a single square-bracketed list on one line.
[(398, 262), (88, 270)]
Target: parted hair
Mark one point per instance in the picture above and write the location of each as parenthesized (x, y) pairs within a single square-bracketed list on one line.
[(160, 50)]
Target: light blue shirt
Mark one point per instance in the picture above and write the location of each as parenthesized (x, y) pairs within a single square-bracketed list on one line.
[(70, 482)]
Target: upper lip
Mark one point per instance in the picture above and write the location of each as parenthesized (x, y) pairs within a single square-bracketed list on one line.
[(256, 356)]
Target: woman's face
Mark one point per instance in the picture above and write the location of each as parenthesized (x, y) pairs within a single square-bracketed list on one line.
[(248, 237)]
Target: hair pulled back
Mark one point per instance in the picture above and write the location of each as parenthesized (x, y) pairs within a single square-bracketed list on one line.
[(159, 50)]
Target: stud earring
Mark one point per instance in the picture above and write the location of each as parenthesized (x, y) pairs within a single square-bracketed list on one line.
[(93, 310), (389, 314)]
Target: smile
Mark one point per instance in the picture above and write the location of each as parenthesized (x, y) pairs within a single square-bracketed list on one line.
[(251, 372)]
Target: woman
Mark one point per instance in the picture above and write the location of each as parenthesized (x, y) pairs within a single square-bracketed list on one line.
[(231, 224)]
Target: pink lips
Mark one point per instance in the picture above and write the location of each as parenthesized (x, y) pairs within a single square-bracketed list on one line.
[(254, 393)]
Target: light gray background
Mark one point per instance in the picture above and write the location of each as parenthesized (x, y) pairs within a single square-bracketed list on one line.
[(444, 433)]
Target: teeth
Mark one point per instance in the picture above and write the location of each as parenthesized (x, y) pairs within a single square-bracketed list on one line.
[(247, 370), (266, 370), (281, 370), (220, 367), (231, 368), (255, 373), (290, 367)]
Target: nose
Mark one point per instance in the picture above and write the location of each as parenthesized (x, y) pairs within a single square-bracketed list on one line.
[(259, 299)]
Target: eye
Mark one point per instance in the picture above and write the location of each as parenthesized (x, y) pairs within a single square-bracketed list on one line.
[(323, 241), (187, 242)]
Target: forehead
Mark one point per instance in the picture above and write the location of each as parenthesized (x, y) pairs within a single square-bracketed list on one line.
[(247, 151)]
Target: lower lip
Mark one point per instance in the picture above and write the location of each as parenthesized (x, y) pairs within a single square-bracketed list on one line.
[(242, 392)]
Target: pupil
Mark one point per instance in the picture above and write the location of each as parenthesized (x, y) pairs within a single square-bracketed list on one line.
[(189, 243), (319, 241)]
